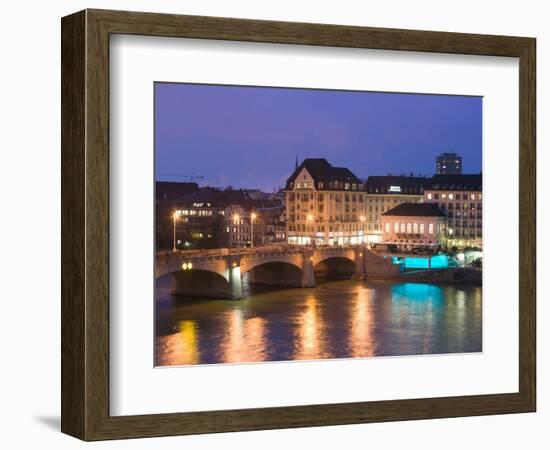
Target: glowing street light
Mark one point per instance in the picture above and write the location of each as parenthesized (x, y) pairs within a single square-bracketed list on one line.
[(252, 218), (175, 217), (309, 219), (363, 219)]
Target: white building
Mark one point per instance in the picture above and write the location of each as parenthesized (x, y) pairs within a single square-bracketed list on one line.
[(412, 225), (325, 205)]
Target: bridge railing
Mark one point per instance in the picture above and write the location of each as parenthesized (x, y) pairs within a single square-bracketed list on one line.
[(254, 252)]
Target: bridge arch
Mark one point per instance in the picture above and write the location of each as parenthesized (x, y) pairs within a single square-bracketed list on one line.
[(335, 266), (321, 256), (248, 264), (274, 273)]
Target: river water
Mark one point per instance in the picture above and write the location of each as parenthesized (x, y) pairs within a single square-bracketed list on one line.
[(339, 319)]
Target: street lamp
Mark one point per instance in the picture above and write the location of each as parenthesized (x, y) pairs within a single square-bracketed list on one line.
[(175, 217), (309, 219), (363, 219), (236, 219), (252, 218)]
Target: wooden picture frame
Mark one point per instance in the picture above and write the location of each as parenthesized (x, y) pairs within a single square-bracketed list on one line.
[(85, 224)]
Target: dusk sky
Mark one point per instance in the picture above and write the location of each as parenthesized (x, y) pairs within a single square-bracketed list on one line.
[(250, 136)]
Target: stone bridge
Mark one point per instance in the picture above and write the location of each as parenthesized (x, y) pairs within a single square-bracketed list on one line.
[(219, 273)]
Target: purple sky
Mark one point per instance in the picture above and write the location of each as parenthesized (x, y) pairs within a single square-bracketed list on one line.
[(249, 136)]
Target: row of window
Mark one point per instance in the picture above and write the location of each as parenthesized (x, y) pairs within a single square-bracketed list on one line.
[(321, 197), (323, 228), (471, 215), (464, 224), (411, 228), (331, 219), (458, 205), (329, 185), (195, 212), (453, 196), (467, 233), (393, 199)]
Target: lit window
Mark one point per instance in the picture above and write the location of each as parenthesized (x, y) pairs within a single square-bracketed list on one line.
[(402, 228), (431, 228), (396, 227), (421, 228), (450, 196), (409, 229), (415, 228), (387, 227), (429, 196)]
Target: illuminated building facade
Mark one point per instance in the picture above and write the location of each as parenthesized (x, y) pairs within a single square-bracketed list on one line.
[(386, 192), (413, 225), (237, 229), (253, 227), (460, 198), (272, 223), (325, 205), (199, 216), (448, 164)]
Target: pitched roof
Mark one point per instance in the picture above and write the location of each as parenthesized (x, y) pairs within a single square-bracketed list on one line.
[(321, 170), (415, 209), (464, 182)]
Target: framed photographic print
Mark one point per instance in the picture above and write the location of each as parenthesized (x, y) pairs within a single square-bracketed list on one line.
[(268, 224)]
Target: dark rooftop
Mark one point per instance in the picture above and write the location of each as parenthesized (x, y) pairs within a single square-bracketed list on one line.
[(322, 171), (415, 209), (396, 184), (217, 198), (465, 182), (172, 190)]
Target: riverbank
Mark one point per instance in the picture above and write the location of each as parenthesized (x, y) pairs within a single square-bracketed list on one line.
[(459, 275)]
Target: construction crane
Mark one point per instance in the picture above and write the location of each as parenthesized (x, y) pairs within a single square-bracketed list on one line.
[(190, 178)]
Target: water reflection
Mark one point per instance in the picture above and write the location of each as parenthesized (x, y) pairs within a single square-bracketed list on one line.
[(337, 320), (244, 339), (310, 336), (181, 347), (361, 341)]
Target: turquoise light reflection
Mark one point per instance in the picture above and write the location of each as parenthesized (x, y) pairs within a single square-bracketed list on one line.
[(416, 292)]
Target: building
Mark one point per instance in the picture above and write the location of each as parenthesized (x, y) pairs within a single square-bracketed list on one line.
[(273, 226), (460, 198), (199, 219), (238, 226), (413, 225), (253, 227), (201, 216), (448, 164), (325, 205), (173, 190), (168, 198), (386, 192)]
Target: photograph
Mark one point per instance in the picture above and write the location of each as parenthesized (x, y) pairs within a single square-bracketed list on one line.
[(312, 224)]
